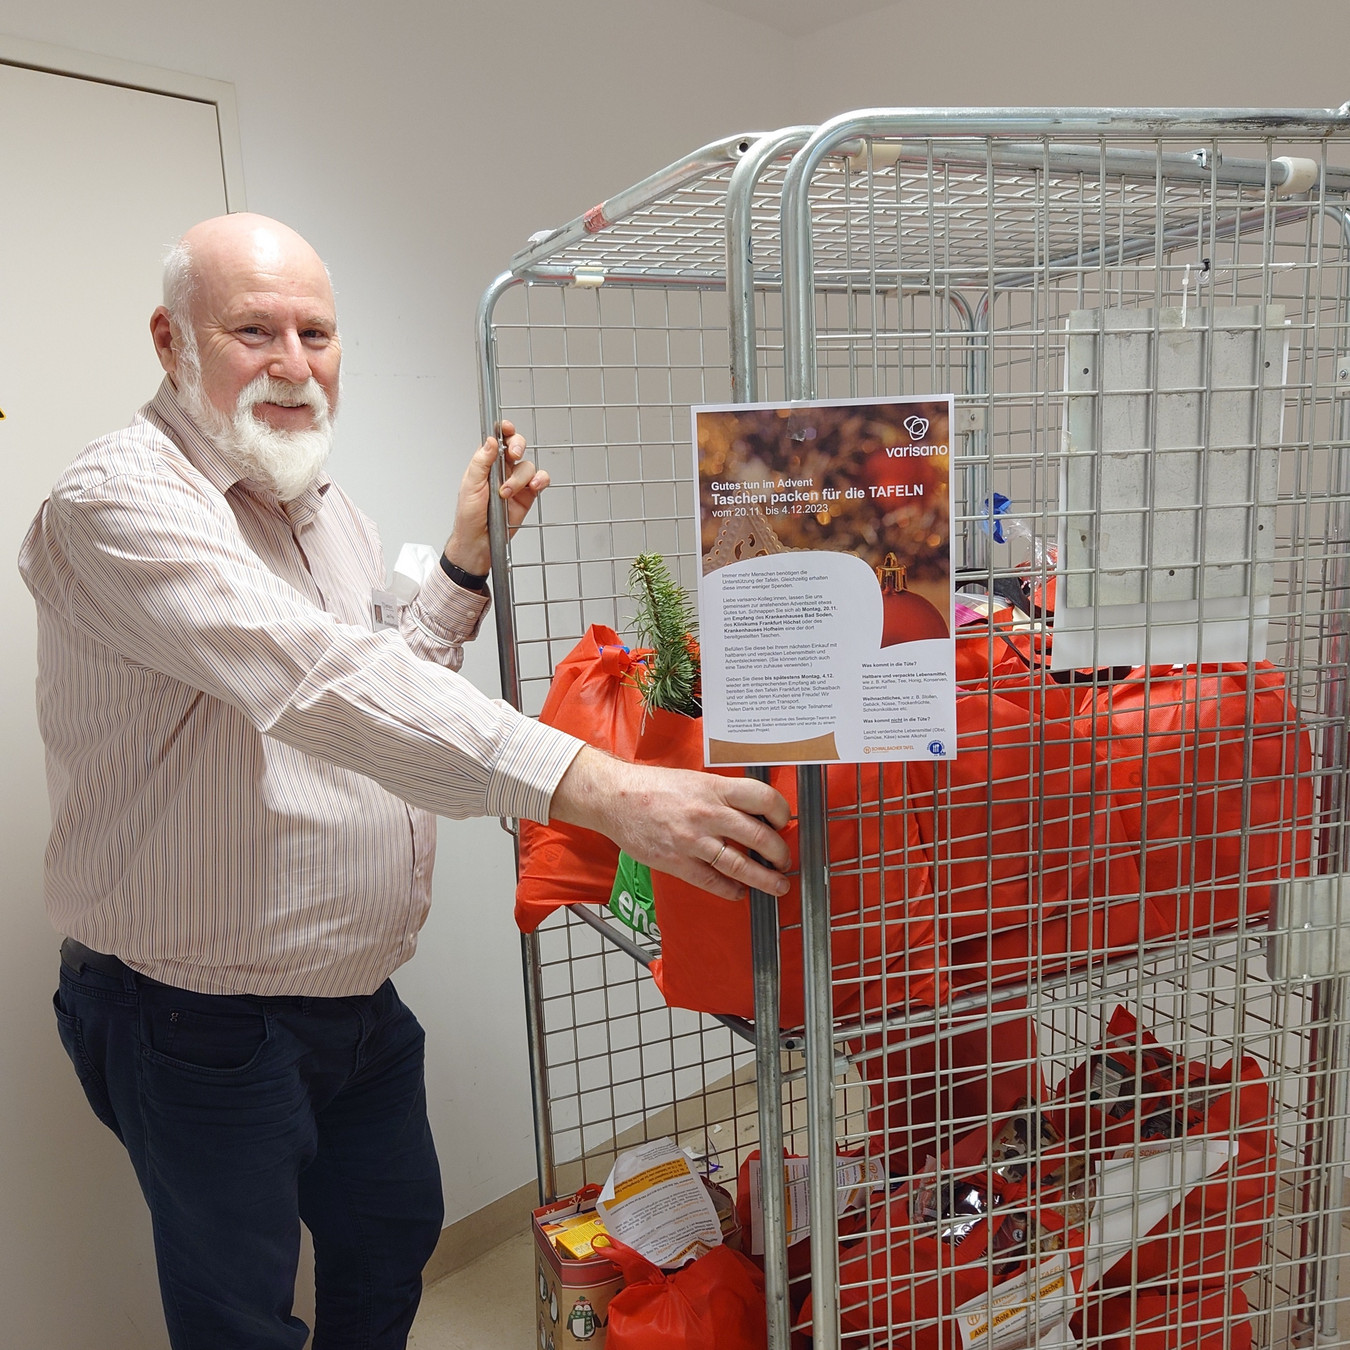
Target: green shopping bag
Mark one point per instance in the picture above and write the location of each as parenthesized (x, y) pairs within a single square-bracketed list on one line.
[(630, 899)]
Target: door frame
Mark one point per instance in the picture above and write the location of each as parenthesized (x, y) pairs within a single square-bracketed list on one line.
[(152, 79)]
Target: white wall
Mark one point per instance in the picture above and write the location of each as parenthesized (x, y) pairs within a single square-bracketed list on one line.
[(417, 146), (1089, 53)]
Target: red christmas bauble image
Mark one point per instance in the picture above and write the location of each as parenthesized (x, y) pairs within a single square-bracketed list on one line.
[(905, 615)]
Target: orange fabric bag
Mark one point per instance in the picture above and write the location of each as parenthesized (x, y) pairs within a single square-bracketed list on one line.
[(714, 1303), (1004, 821), (1206, 769), (1010, 822), (1019, 786), (592, 696), (881, 927), (1214, 1320), (1002, 654), (1179, 779), (917, 1084), (705, 962)]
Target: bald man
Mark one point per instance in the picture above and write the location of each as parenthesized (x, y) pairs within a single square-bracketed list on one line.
[(244, 766)]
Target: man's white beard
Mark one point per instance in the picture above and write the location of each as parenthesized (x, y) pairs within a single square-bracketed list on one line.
[(285, 461)]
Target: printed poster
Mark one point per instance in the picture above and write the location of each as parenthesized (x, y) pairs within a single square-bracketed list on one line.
[(826, 596)]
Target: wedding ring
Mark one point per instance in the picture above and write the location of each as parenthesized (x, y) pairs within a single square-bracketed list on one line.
[(718, 857)]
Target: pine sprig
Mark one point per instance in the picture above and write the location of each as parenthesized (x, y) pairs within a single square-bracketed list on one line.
[(666, 622)]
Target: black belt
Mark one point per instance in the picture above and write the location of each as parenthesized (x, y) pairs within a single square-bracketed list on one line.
[(79, 957)]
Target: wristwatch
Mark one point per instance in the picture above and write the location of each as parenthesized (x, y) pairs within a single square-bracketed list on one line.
[(470, 581)]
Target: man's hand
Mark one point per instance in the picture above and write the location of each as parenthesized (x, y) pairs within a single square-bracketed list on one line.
[(468, 545), (696, 826)]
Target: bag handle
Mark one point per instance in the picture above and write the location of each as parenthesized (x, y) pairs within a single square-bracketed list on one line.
[(616, 659)]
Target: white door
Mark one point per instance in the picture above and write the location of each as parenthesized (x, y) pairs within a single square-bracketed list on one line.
[(97, 181)]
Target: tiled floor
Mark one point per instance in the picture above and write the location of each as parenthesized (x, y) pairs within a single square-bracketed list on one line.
[(487, 1305)]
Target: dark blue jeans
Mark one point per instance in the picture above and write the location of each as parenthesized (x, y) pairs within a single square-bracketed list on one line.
[(244, 1116)]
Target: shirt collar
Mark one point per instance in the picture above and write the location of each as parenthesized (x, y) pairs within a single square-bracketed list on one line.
[(204, 455), (302, 509)]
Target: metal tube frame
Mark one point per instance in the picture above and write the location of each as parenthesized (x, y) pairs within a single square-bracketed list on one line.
[(1329, 1086), (764, 928), (489, 403), (1162, 123)]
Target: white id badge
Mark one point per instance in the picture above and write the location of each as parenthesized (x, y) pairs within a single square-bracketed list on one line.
[(383, 609)]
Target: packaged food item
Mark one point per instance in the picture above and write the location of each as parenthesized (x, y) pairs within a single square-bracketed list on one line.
[(1146, 1181), (984, 1247), (576, 1239), (1022, 1140)]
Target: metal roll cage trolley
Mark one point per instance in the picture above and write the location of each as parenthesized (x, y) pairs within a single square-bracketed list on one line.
[(907, 251)]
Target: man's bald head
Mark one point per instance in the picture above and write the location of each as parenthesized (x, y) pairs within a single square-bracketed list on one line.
[(231, 245)]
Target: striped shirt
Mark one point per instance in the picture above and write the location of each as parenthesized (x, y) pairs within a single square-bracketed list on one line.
[(241, 768)]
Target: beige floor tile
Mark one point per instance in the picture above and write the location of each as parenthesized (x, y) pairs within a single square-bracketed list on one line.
[(488, 1305)]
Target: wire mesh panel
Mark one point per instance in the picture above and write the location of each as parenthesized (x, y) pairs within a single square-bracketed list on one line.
[(616, 327), (1117, 1129), (600, 381), (1077, 996)]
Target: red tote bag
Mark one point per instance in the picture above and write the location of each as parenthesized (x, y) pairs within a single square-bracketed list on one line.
[(881, 925), (714, 1303), (903, 1281), (1010, 823), (1004, 821), (1147, 1320), (1207, 771), (593, 697), (1214, 1238)]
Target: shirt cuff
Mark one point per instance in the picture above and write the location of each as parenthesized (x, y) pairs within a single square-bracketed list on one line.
[(529, 769), (449, 612)]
